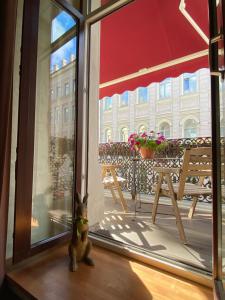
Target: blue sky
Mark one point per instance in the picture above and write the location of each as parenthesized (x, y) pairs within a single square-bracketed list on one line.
[(61, 24)]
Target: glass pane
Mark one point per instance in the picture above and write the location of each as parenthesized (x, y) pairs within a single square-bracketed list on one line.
[(54, 123), (95, 4), (184, 121), (61, 24)]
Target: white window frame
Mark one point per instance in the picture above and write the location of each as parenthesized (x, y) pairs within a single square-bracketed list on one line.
[(105, 105), (66, 89), (122, 139), (163, 84), (187, 92), (66, 120), (160, 130), (197, 127), (138, 96), (121, 100)]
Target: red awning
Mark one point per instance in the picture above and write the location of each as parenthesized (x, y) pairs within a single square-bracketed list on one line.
[(150, 40)]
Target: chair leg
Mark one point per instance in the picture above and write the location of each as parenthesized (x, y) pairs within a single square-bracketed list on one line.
[(176, 210), (122, 200), (113, 194), (193, 206), (156, 200)]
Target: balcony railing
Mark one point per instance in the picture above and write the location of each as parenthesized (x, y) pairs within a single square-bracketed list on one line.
[(139, 172)]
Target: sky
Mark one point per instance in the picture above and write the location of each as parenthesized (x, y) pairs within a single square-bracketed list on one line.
[(61, 24)]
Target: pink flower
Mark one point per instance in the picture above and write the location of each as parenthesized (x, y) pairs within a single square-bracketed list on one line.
[(144, 134)]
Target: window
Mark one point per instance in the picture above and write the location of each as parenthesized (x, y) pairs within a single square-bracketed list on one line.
[(164, 129), (67, 89), (142, 129), (107, 103), (165, 89), (57, 115), (61, 24), (190, 128), (142, 95), (108, 135), (189, 83), (58, 91), (65, 114), (124, 98), (51, 93), (124, 134)]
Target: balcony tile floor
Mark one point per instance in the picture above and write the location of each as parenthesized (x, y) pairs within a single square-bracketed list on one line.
[(161, 238)]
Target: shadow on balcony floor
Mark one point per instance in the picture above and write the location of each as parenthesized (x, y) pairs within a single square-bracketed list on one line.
[(161, 238)]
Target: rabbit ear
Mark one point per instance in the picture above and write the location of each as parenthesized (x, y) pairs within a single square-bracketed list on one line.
[(85, 199), (78, 198)]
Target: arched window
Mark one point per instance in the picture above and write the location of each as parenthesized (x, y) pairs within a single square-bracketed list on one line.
[(164, 129), (124, 134), (108, 135), (142, 128), (190, 128)]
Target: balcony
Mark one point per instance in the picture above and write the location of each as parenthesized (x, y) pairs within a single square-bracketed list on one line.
[(135, 227)]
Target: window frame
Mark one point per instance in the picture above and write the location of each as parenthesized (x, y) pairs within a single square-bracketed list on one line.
[(164, 84), (185, 129), (106, 106), (124, 94), (187, 92), (138, 96)]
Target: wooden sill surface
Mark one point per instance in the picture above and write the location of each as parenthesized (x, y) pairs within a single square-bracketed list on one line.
[(114, 277)]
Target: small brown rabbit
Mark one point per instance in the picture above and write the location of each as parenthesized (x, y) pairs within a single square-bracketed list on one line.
[(80, 246)]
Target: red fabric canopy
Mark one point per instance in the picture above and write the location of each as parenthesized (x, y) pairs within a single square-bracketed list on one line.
[(147, 33)]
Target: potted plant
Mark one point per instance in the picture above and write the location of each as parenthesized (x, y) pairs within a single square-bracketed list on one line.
[(147, 144)]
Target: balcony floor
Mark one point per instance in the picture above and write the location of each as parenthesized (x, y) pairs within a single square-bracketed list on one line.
[(161, 238)]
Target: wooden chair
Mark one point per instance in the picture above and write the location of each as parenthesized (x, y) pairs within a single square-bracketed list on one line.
[(113, 182), (196, 162)]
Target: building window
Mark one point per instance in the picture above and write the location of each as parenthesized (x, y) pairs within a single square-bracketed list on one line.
[(51, 93), (164, 129), (142, 129), (65, 114), (165, 89), (57, 115), (190, 128), (66, 89), (108, 135), (124, 98), (58, 91), (124, 134), (189, 83), (142, 95), (107, 103)]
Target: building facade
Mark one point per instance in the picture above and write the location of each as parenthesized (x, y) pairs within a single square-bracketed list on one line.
[(178, 107)]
